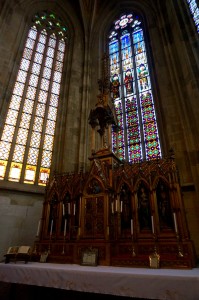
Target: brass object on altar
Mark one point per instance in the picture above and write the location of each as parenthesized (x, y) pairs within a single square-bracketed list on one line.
[(89, 257), (43, 257), (154, 261)]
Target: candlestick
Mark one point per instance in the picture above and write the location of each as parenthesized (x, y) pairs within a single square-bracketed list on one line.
[(63, 209), (74, 208), (51, 228), (116, 205), (152, 222), (175, 223), (112, 209), (131, 226), (38, 228), (121, 206), (65, 224)]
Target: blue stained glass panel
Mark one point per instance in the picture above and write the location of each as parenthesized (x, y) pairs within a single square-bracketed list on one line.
[(113, 47), (137, 36), (125, 41)]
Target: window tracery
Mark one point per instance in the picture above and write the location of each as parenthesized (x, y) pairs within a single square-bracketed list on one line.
[(26, 144)]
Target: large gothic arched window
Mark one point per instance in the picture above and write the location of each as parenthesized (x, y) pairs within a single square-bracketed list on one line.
[(27, 137), (137, 136), (194, 8)]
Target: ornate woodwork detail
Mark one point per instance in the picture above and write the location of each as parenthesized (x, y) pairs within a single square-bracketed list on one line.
[(127, 212)]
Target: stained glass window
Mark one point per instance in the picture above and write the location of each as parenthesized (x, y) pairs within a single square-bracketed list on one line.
[(26, 144), (194, 8), (137, 135)]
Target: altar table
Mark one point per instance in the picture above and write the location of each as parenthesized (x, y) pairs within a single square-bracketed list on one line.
[(127, 282)]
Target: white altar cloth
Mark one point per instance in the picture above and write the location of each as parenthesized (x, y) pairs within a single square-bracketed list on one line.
[(130, 282)]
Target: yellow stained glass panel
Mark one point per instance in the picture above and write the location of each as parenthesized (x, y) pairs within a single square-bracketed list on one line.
[(15, 172)]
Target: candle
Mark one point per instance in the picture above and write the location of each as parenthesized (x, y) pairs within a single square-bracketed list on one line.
[(121, 206), (63, 209), (112, 209), (152, 222), (107, 230), (132, 226), (175, 223), (38, 228), (65, 224), (69, 208), (51, 228), (74, 208)]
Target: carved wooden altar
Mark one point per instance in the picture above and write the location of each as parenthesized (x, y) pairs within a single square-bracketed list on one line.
[(130, 214), (126, 212)]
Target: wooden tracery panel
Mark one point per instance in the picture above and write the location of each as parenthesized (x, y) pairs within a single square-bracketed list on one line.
[(164, 206), (144, 208), (94, 217)]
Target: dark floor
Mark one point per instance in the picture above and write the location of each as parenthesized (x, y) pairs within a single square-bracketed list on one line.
[(13, 291)]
